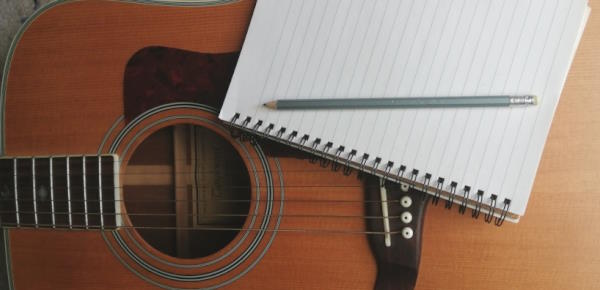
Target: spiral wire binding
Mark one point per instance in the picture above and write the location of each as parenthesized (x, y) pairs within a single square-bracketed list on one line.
[(375, 165), (268, 129), (324, 156), (363, 162), (450, 200), (426, 185), (438, 191), (280, 132), (347, 168), (490, 215), (336, 165), (235, 117), (413, 178), (291, 137), (477, 210), (303, 140), (324, 162), (388, 168), (463, 204), (257, 125), (313, 151), (505, 208), (400, 174)]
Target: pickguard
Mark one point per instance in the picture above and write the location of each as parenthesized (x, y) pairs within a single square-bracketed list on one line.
[(158, 75)]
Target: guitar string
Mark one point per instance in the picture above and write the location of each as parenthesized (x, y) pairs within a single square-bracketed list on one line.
[(43, 170), (60, 188), (284, 230), (28, 226), (42, 162), (201, 215), (39, 172), (107, 188), (28, 187), (91, 159), (229, 187), (207, 200)]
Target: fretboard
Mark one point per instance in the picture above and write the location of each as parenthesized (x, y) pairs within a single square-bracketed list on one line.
[(72, 192)]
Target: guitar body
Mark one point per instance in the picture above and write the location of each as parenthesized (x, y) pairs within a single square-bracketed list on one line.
[(87, 77), (66, 93)]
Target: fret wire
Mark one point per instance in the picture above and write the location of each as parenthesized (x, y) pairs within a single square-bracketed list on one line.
[(52, 193), (16, 192), (116, 192), (100, 191), (85, 207), (35, 214), (69, 194)]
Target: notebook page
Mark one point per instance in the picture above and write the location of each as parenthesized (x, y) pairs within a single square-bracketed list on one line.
[(388, 48)]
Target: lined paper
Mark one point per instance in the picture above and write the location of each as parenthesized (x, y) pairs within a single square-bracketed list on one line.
[(390, 48)]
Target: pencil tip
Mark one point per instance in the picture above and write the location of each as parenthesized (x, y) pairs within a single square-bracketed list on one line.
[(271, 105)]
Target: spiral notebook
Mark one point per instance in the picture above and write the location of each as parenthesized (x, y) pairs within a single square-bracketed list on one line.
[(481, 158)]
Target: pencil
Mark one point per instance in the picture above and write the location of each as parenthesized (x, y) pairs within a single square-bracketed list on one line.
[(415, 102)]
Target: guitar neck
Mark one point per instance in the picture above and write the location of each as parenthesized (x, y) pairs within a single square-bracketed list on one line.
[(66, 192)]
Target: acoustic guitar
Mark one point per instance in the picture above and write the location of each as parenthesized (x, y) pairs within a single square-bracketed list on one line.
[(117, 174)]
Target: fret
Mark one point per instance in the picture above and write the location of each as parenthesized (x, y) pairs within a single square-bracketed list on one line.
[(69, 193), (77, 198), (85, 205), (93, 191), (34, 193), (24, 192), (116, 205), (60, 189), (52, 206), (16, 192), (109, 168), (41, 191), (100, 192), (75, 192)]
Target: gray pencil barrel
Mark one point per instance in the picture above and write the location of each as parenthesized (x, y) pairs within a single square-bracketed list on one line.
[(416, 102)]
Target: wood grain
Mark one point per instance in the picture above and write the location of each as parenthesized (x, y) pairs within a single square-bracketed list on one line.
[(554, 246), (66, 81)]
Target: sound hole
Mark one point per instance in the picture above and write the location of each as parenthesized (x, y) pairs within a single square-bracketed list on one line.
[(186, 191)]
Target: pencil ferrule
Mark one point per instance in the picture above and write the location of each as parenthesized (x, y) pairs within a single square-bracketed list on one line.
[(522, 100)]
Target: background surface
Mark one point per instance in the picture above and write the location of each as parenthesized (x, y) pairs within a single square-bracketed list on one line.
[(12, 14)]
